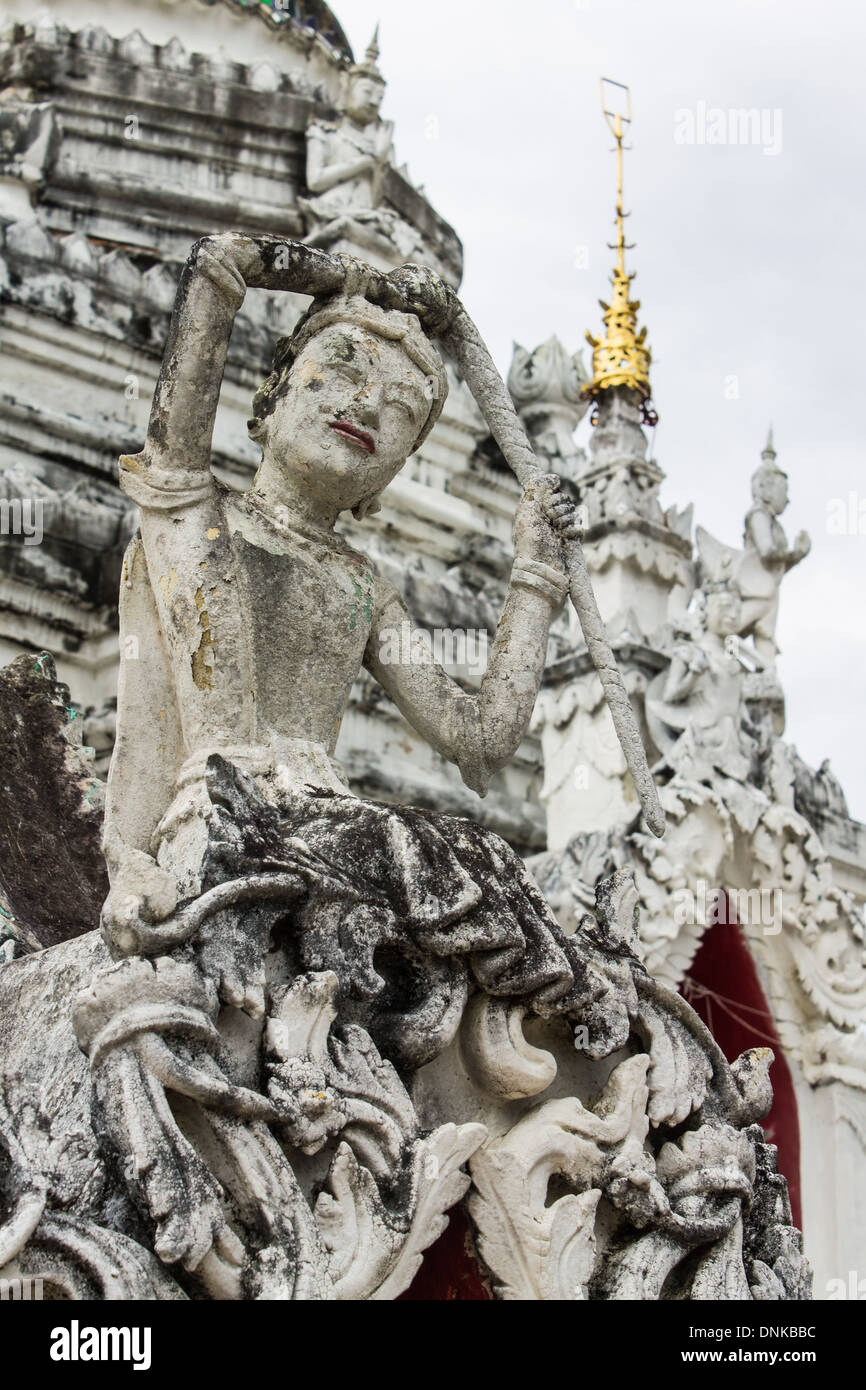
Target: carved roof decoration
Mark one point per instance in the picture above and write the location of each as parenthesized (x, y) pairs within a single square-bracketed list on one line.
[(548, 374), (284, 15)]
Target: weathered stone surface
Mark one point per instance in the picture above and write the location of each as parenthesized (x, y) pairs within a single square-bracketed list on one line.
[(176, 1135), (52, 874)]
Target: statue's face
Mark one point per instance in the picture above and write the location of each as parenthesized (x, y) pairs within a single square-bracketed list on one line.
[(773, 492), (354, 407), (364, 99), (724, 612)]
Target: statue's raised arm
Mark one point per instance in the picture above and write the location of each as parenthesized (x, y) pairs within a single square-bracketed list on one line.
[(212, 288), (211, 291)]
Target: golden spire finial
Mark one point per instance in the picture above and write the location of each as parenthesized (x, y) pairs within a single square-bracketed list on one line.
[(621, 358)]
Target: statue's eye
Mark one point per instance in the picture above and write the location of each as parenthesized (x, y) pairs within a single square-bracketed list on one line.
[(403, 404), (350, 371)]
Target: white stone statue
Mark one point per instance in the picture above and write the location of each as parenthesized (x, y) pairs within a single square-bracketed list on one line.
[(767, 555), (756, 572), (253, 616), (694, 709), (347, 165)]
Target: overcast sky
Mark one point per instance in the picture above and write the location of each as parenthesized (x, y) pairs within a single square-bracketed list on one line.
[(748, 262)]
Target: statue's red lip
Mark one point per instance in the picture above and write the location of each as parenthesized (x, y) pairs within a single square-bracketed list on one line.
[(357, 436)]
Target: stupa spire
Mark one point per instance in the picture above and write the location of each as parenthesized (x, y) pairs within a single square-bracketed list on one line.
[(621, 357)]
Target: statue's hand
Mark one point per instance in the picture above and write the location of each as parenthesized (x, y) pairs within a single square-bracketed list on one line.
[(231, 251), (383, 143), (140, 892), (230, 950), (802, 545), (544, 519)]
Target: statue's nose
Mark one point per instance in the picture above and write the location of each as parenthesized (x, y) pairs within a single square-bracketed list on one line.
[(369, 405)]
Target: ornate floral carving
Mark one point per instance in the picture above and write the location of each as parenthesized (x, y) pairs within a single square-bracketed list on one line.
[(277, 1153)]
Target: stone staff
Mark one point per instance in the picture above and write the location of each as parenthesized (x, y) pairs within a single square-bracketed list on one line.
[(292, 266), (490, 392)]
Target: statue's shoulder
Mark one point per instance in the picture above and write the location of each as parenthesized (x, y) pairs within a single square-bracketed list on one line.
[(322, 128), (756, 515), (361, 562)]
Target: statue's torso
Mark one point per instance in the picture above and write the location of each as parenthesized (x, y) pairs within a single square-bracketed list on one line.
[(265, 626), (309, 607), (758, 577), (346, 143)]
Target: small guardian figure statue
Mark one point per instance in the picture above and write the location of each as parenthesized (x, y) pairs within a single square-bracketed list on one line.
[(767, 556), (347, 165), (755, 573)]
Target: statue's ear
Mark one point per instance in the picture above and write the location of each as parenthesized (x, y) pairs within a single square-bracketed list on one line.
[(257, 429), (367, 506)]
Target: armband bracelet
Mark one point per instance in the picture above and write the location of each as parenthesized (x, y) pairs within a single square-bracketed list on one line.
[(543, 579)]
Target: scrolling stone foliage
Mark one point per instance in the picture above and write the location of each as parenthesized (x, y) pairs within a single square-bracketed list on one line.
[(281, 1155), (316, 1024)]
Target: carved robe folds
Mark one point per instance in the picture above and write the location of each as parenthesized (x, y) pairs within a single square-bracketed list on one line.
[(309, 1147)]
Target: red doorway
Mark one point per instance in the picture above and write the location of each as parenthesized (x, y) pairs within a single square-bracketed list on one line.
[(723, 987)]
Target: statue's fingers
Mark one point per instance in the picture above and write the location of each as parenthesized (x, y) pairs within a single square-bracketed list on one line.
[(562, 516), (254, 1001), (231, 989), (556, 506)]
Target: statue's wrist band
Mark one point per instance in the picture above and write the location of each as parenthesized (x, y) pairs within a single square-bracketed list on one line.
[(541, 578)]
